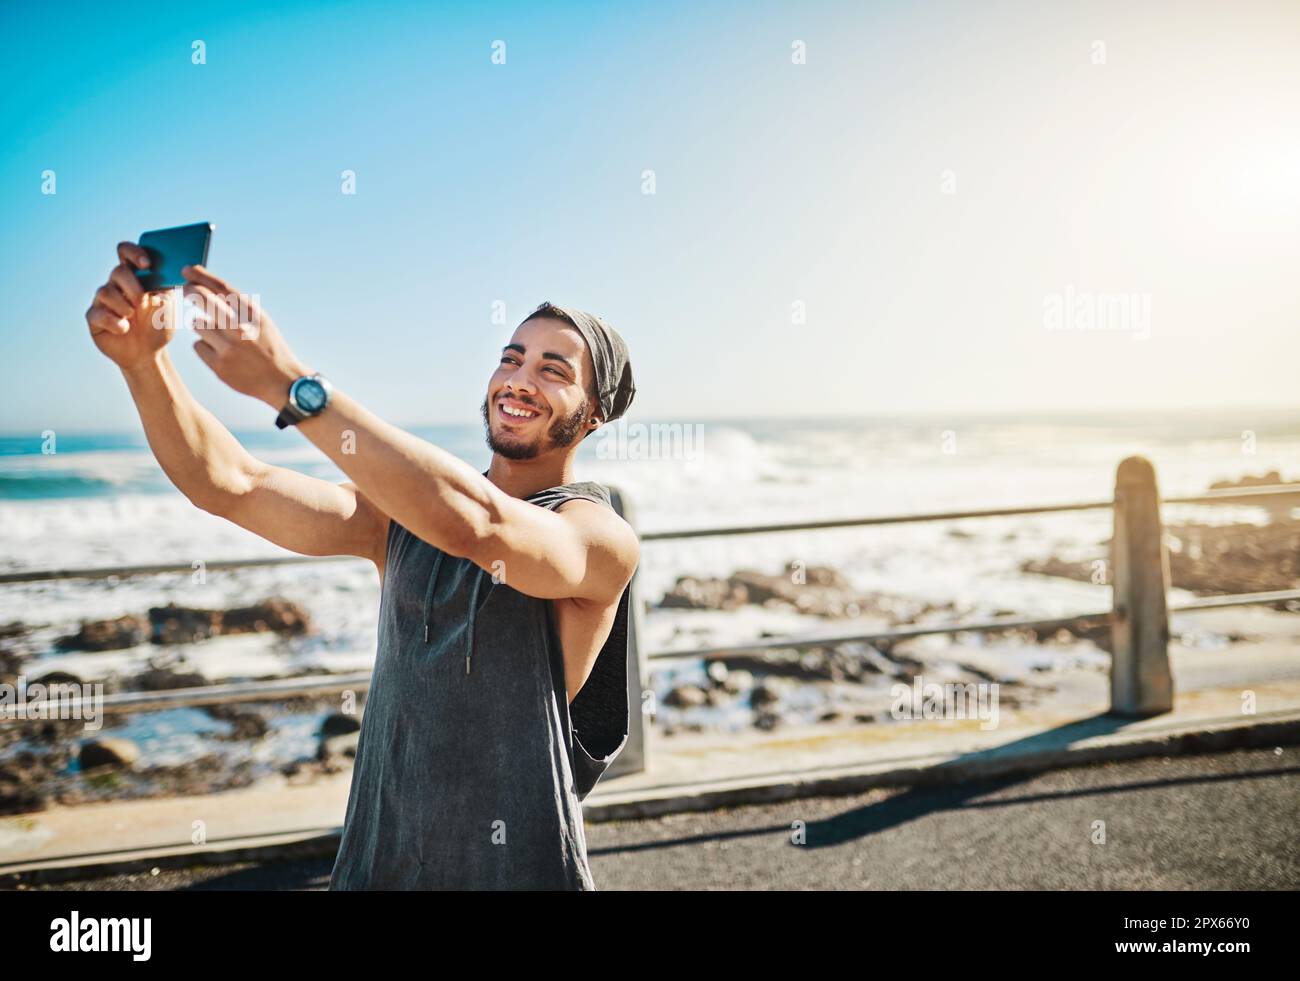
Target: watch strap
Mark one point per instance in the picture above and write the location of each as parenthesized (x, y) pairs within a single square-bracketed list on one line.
[(290, 415)]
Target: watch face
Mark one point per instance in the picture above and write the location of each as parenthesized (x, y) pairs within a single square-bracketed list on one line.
[(309, 395)]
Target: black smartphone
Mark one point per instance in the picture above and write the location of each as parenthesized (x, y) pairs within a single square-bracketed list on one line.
[(171, 250)]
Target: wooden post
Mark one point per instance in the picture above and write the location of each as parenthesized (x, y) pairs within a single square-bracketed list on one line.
[(1140, 681), (634, 757)]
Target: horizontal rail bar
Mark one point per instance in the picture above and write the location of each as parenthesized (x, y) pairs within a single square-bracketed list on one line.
[(1205, 603), (906, 633), (650, 536), (239, 691), (896, 519), (1236, 599), (124, 571), (315, 685), (1210, 497), (1236, 494)]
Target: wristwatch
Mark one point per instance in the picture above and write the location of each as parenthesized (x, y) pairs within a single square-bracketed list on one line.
[(308, 397)]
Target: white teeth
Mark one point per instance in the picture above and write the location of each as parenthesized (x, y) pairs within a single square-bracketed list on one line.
[(518, 413)]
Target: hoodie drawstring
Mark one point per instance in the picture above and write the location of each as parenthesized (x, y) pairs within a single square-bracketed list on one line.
[(473, 614), (473, 604)]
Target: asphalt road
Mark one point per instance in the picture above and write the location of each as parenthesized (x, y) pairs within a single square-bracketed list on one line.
[(1226, 821)]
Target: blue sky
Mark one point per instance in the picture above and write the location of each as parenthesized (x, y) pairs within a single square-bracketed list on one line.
[(1166, 171)]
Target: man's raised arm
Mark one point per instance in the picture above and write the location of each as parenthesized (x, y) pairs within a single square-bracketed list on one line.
[(200, 455)]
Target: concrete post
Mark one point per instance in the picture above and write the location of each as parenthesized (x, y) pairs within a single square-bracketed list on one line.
[(634, 757), (1140, 680)]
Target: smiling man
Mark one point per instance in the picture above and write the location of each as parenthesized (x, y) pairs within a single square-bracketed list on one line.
[(499, 693)]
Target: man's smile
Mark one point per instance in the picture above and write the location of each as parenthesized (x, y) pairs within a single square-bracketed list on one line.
[(516, 413)]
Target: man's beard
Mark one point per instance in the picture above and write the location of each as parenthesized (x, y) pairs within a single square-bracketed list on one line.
[(563, 432)]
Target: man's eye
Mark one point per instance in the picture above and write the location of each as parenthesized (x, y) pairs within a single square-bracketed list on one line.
[(506, 357)]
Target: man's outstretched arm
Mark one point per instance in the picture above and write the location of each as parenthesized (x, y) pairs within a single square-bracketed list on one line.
[(200, 455), (209, 466), (585, 553)]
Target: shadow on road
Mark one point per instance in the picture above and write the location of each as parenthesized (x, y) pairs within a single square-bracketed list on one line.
[(934, 794), (296, 874)]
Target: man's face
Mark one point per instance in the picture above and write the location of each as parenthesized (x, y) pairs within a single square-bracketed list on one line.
[(545, 371)]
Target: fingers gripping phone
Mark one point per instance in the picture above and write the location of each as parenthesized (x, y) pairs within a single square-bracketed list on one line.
[(171, 250)]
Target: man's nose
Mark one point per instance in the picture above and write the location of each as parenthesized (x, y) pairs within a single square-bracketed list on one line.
[(521, 380)]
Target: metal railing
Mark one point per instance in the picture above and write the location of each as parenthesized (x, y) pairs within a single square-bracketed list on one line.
[(1138, 617)]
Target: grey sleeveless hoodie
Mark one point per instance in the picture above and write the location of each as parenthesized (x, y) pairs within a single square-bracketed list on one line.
[(471, 765)]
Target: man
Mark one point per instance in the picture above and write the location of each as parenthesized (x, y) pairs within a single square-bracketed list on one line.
[(501, 591)]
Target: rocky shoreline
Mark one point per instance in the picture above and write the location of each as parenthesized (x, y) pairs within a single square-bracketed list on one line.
[(58, 764), (766, 688), (1217, 559)]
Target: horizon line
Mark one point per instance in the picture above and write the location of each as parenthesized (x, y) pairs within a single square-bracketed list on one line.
[(1106, 412)]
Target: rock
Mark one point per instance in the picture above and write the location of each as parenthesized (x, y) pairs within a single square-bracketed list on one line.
[(1279, 507), (717, 672), (13, 629), (852, 661), (1080, 571), (1096, 631), (184, 625), (17, 642), (204, 775), (702, 594), (8, 667), (1211, 559), (760, 588), (823, 591), (339, 724), (1268, 479), (337, 747), (277, 615), (816, 591), (22, 800), (764, 694), (107, 635), (173, 624), (54, 732), (246, 722), (57, 678), (686, 696), (767, 721), (1239, 558), (109, 752), (165, 679), (738, 681), (26, 778)]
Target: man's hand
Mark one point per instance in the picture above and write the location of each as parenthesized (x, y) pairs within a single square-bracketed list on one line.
[(239, 341), (122, 316)]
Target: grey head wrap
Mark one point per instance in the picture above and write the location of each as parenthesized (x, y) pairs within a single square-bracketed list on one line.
[(614, 385)]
